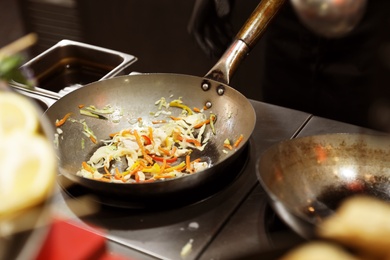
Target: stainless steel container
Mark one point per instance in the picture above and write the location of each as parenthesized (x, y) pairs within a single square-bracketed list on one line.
[(69, 65)]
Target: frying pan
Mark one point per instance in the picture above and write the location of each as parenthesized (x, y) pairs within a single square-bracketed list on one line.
[(307, 178), (136, 95)]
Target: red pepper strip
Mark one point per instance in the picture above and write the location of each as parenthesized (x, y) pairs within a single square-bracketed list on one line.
[(63, 120), (239, 140), (147, 139), (161, 159)]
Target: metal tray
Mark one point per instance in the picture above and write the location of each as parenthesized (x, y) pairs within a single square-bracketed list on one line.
[(69, 65)]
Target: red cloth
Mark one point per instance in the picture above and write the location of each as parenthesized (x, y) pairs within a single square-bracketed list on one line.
[(67, 241)]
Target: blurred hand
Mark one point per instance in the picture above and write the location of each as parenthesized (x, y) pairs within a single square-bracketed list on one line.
[(211, 27)]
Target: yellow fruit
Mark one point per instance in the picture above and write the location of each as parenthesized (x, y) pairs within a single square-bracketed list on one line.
[(28, 170), (27, 159), (17, 113)]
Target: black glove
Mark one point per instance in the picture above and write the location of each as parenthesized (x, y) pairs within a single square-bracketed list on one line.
[(211, 27)]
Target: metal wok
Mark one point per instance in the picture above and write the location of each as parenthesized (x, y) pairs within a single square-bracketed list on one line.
[(307, 178), (136, 95)]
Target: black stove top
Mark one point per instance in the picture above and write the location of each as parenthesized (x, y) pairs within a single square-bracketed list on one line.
[(229, 221)]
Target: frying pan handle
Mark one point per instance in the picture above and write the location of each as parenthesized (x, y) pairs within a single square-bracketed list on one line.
[(245, 40)]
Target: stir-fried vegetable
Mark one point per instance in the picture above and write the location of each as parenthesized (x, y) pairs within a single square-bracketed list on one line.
[(146, 153), (154, 152)]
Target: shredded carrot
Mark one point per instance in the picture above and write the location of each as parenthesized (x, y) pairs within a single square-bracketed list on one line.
[(93, 139), (151, 134), (133, 171), (207, 121), (87, 167), (141, 146), (113, 134), (196, 160), (164, 151), (197, 110), (205, 108), (160, 159), (104, 179), (164, 164), (188, 163), (175, 118), (117, 175), (238, 141), (173, 151), (106, 171), (159, 122), (81, 106), (178, 137), (194, 141), (228, 146), (136, 176), (63, 120)]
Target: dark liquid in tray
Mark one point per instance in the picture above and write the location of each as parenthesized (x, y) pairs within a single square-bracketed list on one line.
[(70, 73)]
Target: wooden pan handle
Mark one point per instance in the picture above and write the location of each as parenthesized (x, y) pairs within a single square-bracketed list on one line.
[(245, 40), (258, 21)]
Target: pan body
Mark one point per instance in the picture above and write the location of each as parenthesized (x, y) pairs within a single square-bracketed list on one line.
[(135, 97), (307, 178)]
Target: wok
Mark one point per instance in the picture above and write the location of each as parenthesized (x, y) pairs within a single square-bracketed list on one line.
[(136, 95), (307, 178)]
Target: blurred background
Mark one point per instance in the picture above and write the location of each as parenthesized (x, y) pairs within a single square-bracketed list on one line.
[(153, 31), (344, 79)]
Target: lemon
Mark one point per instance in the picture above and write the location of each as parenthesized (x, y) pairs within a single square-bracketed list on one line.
[(28, 170), (17, 113), (27, 157)]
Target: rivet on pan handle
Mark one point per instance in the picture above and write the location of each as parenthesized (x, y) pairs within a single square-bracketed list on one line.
[(245, 40)]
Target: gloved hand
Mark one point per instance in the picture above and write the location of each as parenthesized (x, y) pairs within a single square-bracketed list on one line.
[(211, 27)]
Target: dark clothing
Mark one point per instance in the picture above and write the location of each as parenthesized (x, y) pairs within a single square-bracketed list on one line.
[(341, 79)]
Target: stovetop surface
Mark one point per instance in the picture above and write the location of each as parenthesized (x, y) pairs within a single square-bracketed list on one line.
[(234, 223)]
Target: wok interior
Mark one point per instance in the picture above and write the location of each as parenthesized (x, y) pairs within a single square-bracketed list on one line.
[(136, 96), (311, 175)]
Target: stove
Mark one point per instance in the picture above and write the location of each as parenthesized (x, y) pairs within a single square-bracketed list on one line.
[(206, 223), (229, 220)]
